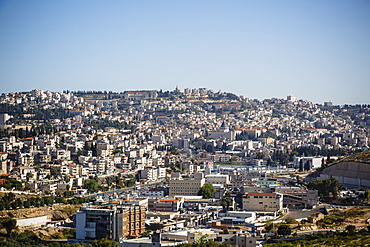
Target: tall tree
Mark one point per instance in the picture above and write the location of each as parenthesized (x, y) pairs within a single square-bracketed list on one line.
[(300, 165), (326, 186), (91, 185), (226, 202), (207, 191), (284, 230), (9, 225)]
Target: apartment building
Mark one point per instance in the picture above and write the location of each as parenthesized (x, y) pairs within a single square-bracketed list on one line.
[(186, 187), (217, 179), (152, 173), (140, 95), (110, 220), (155, 193)]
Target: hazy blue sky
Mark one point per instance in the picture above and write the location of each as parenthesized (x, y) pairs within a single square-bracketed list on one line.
[(315, 50)]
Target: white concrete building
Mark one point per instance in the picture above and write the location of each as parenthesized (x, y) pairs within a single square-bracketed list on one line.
[(264, 202), (217, 179)]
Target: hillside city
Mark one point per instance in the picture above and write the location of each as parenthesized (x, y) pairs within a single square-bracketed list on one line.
[(181, 167)]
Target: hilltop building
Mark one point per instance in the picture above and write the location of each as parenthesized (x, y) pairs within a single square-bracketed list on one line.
[(140, 95)]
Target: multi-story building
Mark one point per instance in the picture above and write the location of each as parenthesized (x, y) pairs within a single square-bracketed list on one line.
[(298, 197), (180, 143), (155, 193), (149, 173), (186, 187), (152, 173), (161, 172), (140, 95), (264, 202), (312, 162), (217, 179), (111, 220), (167, 205), (3, 162)]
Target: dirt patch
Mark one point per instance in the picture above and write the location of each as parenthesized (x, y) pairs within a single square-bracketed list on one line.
[(51, 232), (54, 213), (341, 218)]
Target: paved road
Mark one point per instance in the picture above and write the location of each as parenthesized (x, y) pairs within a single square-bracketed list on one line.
[(109, 193), (300, 213)]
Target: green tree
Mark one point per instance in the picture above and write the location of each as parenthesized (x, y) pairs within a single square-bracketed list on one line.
[(326, 186), (145, 234), (29, 176), (41, 202), (226, 202), (54, 244), (68, 193), (301, 165), (49, 200), (18, 203), (13, 205), (9, 197), (205, 243), (55, 172), (351, 229), (9, 225), (91, 185), (60, 199), (269, 227), (367, 193), (110, 180), (290, 220), (130, 182), (207, 191), (284, 230), (104, 243), (26, 204)]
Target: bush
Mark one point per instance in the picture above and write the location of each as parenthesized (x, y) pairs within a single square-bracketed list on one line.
[(284, 230), (290, 220)]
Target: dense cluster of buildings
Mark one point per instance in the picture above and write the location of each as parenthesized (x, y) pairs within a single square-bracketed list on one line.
[(181, 140)]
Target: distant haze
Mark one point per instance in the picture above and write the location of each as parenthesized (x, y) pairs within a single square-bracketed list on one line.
[(314, 50)]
